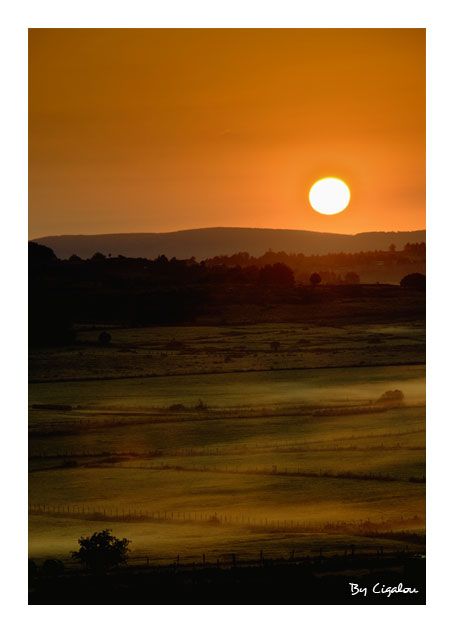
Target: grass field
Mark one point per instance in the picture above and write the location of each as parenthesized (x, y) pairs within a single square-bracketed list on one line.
[(274, 455), (167, 351)]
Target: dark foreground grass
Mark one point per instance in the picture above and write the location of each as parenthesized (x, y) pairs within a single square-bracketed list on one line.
[(315, 580)]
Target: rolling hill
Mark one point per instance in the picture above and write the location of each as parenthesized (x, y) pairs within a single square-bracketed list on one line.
[(205, 243)]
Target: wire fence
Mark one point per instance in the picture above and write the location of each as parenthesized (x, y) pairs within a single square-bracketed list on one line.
[(216, 518), (274, 470), (314, 556), (283, 447)]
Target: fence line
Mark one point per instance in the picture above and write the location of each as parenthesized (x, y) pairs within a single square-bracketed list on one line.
[(261, 471), (291, 472), (240, 449), (126, 514), (308, 556)]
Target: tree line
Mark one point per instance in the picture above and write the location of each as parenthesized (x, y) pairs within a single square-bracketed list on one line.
[(162, 291)]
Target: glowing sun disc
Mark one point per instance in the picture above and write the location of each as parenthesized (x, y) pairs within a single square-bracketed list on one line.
[(329, 196)]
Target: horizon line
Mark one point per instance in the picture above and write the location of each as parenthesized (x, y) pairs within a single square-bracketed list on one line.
[(61, 235)]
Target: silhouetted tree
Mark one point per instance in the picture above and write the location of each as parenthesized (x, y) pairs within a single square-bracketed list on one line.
[(352, 278), (315, 279), (140, 291), (102, 551), (415, 249), (74, 258), (414, 280), (302, 265), (392, 248), (39, 255), (277, 274), (104, 338), (98, 257), (53, 568)]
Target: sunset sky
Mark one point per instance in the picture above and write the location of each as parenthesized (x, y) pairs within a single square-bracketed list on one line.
[(159, 130)]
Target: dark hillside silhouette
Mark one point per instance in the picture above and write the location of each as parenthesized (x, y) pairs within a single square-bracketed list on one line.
[(40, 256), (207, 243), (141, 292)]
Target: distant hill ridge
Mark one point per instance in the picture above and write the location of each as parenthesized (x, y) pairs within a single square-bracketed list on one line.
[(206, 243)]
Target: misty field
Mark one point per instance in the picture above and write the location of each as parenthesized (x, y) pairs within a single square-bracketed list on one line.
[(190, 459)]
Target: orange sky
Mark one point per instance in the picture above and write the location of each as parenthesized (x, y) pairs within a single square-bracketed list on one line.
[(157, 130)]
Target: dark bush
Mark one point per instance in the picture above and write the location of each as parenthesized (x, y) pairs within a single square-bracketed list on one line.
[(177, 407), (52, 568), (102, 551), (277, 274), (352, 278), (98, 257), (417, 281), (173, 344), (32, 570), (391, 397), (104, 338), (40, 256)]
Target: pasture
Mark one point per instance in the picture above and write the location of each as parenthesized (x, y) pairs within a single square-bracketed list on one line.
[(164, 351), (233, 459)]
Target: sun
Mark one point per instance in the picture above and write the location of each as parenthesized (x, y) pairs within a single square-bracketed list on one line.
[(329, 196)]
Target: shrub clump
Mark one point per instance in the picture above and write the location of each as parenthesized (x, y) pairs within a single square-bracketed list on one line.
[(173, 344), (104, 338), (102, 551), (177, 407), (416, 281), (391, 397), (52, 568)]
